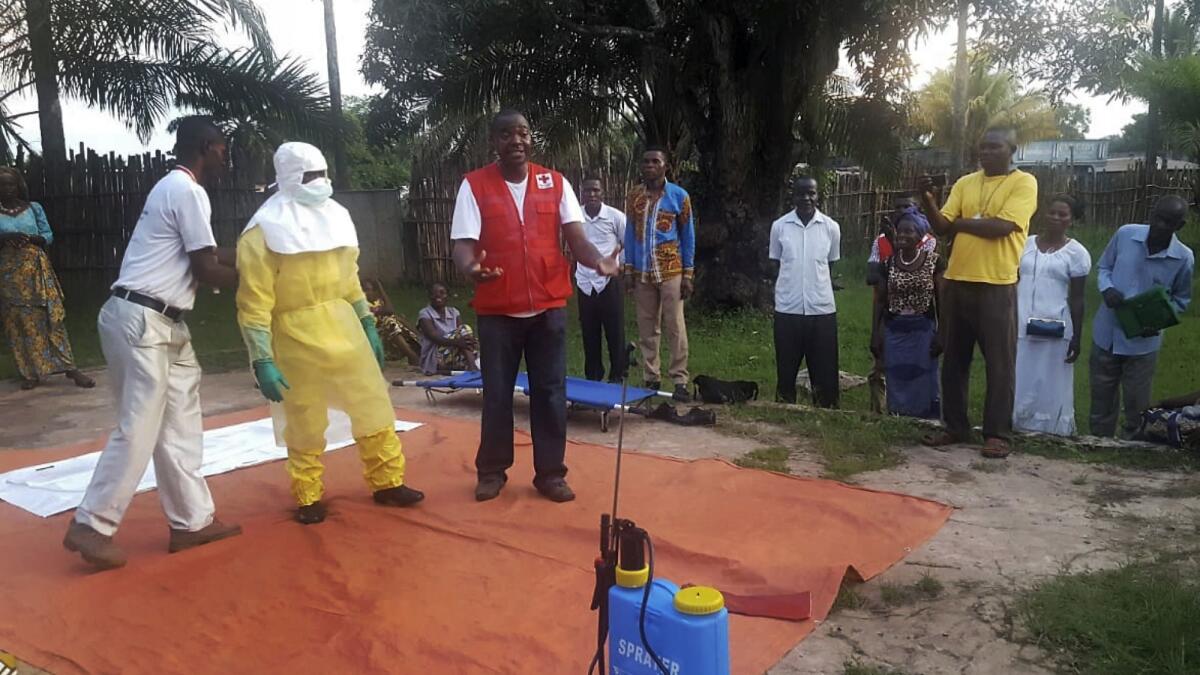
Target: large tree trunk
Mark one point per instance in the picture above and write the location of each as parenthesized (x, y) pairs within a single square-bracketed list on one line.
[(743, 110), (341, 170), (962, 73), (45, 71), (1153, 121)]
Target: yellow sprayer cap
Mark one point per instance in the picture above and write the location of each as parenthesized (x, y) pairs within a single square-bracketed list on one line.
[(699, 600), (632, 578)]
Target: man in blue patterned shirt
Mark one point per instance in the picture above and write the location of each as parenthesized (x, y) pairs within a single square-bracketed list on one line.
[(660, 253)]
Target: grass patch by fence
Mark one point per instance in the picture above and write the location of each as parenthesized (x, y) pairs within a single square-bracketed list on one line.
[(1139, 619)]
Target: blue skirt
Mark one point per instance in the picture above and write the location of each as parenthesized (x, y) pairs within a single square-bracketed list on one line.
[(912, 375)]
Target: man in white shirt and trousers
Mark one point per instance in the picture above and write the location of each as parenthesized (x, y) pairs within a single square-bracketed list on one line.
[(148, 349), (601, 304), (805, 243)]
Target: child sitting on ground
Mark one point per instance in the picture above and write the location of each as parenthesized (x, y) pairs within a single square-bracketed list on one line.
[(447, 344), (400, 341)]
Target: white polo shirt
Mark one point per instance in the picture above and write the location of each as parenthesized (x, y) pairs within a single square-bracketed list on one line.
[(176, 221), (804, 252), (606, 231)]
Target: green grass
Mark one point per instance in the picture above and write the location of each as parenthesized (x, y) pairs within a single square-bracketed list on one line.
[(1142, 618), (848, 598), (847, 442), (772, 459), (897, 595)]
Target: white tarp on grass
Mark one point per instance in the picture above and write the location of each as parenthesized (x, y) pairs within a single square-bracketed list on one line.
[(55, 487)]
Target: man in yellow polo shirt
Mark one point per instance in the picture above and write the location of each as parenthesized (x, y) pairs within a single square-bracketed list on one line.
[(987, 220)]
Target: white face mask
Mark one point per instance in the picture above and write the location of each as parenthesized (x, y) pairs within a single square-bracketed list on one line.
[(315, 192)]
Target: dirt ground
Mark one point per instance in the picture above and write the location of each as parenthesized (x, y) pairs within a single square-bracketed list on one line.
[(1015, 522)]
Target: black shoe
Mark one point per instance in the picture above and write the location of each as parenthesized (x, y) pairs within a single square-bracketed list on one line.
[(665, 411), (401, 495), (311, 514), (653, 385), (488, 488), (556, 490), (697, 417), (682, 394)]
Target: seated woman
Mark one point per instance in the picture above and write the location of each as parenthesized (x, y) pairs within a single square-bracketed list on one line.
[(904, 333), (447, 344), (1174, 422), (400, 341)]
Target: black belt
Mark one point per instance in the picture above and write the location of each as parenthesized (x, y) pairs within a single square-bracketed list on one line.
[(172, 313)]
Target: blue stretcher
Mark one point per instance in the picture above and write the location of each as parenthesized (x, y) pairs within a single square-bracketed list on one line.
[(600, 396)]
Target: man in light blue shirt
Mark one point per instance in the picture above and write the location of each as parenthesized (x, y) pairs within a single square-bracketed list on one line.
[(1137, 259)]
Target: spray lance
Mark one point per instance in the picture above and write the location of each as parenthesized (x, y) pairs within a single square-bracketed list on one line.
[(690, 625)]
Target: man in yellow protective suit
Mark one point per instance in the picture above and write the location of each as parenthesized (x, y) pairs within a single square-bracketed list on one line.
[(310, 332)]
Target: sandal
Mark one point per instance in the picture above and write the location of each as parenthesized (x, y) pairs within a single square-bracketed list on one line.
[(27, 384), (940, 439), (995, 448), (82, 381)]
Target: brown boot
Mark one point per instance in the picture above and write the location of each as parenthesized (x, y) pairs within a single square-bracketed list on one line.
[(181, 540), (97, 549)]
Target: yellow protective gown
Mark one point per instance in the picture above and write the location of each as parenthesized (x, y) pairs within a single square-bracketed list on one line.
[(310, 305)]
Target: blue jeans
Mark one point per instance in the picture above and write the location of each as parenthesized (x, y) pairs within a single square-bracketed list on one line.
[(542, 339)]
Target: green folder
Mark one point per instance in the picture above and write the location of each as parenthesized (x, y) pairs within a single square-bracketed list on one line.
[(1151, 310)]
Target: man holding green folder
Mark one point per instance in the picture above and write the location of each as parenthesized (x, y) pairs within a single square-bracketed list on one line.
[(1146, 280)]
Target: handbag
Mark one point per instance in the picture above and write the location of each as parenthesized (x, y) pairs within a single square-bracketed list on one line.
[(1046, 328)]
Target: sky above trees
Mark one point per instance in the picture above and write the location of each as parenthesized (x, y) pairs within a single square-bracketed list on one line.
[(296, 27)]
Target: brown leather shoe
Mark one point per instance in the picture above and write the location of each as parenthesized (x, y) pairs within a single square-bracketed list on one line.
[(401, 495), (181, 540), (556, 490), (97, 549)]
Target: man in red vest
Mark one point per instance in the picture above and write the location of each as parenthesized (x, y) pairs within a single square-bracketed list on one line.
[(509, 220)]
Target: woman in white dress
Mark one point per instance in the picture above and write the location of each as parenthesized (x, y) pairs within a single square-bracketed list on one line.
[(1054, 270)]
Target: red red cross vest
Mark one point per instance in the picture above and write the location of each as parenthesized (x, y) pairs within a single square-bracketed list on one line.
[(536, 275)]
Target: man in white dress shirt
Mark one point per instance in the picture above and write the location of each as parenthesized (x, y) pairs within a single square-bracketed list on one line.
[(805, 243), (601, 307)]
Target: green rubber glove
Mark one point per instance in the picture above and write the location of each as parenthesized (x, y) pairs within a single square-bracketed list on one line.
[(368, 324), (270, 380)]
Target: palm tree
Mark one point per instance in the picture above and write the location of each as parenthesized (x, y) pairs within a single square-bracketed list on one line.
[(140, 60), (994, 98)]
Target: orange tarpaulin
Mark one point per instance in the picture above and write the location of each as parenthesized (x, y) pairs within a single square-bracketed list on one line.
[(451, 586)]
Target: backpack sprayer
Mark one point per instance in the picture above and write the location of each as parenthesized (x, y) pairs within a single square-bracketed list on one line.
[(689, 628)]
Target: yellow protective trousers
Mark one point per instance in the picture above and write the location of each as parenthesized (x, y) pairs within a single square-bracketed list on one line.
[(310, 304)]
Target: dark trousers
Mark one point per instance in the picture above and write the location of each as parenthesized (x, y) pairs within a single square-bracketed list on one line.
[(813, 339), (983, 314), (1115, 376), (604, 313), (542, 340)]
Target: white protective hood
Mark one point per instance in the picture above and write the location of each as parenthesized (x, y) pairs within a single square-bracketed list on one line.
[(290, 227)]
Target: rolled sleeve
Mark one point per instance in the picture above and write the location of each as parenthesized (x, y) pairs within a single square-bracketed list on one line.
[(775, 248), (1021, 203), (835, 241), (193, 218)]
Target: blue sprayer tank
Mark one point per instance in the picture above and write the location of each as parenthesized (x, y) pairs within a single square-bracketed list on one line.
[(688, 629)]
